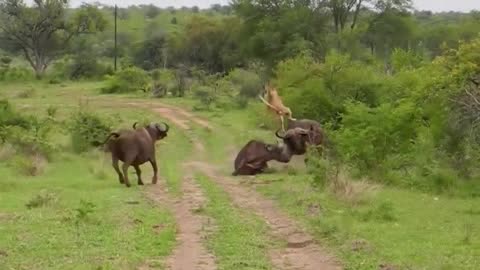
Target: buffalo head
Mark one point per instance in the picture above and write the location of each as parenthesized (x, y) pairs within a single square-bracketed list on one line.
[(296, 139)]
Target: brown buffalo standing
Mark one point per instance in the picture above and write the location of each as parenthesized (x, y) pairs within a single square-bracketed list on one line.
[(135, 147)]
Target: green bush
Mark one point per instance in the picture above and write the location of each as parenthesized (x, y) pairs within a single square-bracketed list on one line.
[(206, 97), (249, 83), (319, 91), (87, 67), (163, 82), (127, 80), (16, 74), (5, 60), (369, 136), (87, 130)]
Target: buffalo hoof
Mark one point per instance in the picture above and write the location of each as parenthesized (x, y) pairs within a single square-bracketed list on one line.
[(154, 180), (121, 181), (127, 185), (140, 183)]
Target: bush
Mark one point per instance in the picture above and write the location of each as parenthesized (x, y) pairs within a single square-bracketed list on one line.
[(388, 129), (127, 80), (163, 82), (87, 130), (44, 198), (31, 165), (248, 82), (16, 74), (206, 96), (27, 134), (87, 67), (5, 60)]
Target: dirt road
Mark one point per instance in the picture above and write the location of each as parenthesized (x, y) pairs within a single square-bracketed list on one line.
[(301, 250)]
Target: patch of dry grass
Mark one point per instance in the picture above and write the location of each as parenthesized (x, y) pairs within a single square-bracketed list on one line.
[(7, 151), (32, 165), (351, 191)]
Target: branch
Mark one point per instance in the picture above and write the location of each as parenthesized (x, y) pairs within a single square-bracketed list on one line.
[(27, 56), (472, 96)]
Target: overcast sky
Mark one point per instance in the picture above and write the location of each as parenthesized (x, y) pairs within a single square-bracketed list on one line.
[(434, 5)]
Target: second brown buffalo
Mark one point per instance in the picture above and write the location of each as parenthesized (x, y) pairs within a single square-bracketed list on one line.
[(134, 148)]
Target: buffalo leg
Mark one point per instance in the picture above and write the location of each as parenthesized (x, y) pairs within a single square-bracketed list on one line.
[(117, 169), (125, 173), (155, 171), (139, 174)]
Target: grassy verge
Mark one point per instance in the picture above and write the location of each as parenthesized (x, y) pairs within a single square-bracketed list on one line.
[(76, 214), (399, 227), (68, 218), (240, 240), (395, 226)]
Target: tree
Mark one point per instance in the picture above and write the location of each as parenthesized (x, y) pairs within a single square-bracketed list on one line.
[(342, 9), (276, 30), (44, 31), (388, 30), (152, 11)]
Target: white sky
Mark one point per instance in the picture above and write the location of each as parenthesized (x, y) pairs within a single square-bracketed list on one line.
[(434, 5)]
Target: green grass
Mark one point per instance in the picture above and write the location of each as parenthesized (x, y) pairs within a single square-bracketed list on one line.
[(240, 240), (400, 227), (53, 235), (116, 234), (396, 226)]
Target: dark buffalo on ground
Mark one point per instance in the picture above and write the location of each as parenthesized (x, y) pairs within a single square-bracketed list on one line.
[(254, 156), (134, 148)]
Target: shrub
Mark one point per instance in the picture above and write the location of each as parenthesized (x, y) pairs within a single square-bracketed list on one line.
[(248, 82), (42, 199), (9, 117), (5, 60), (16, 74), (388, 129), (31, 165), (27, 134), (206, 96), (127, 80), (87, 130), (163, 82), (87, 67), (7, 151)]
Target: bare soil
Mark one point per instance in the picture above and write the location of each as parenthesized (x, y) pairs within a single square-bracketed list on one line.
[(190, 253)]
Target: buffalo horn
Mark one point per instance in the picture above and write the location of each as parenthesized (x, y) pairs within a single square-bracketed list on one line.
[(278, 135), (167, 127)]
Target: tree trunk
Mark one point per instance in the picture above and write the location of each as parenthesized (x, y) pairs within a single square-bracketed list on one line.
[(355, 15), (40, 69)]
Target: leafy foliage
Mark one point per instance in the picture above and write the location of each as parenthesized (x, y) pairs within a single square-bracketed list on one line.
[(131, 79), (87, 130), (42, 31)]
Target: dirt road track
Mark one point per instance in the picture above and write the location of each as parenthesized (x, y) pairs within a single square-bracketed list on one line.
[(301, 251)]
